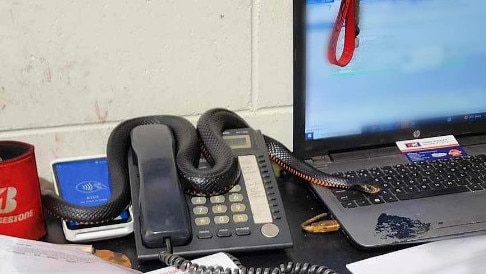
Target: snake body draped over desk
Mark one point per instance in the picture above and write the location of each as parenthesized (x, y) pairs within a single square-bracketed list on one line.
[(190, 144)]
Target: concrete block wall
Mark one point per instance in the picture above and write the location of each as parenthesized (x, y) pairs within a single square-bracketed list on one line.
[(72, 70)]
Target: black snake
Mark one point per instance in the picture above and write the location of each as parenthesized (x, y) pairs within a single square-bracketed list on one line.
[(190, 144)]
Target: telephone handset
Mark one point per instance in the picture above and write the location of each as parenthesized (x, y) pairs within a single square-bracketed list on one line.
[(162, 209), (249, 217)]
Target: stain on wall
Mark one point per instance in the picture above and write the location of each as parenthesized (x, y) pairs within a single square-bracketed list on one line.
[(100, 112), (3, 99)]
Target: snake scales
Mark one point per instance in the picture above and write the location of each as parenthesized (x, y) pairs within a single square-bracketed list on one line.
[(190, 143)]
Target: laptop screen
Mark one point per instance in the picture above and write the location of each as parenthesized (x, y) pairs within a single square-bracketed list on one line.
[(419, 70)]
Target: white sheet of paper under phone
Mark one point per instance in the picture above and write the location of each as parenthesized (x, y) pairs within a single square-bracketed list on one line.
[(20, 256), (457, 256)]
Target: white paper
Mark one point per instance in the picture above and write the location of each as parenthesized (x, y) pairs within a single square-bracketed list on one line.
[(457, 256), (427, 143), (211, 260), (19, 256)]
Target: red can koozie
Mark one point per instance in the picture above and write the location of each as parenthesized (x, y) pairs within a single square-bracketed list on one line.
[(20, 196)]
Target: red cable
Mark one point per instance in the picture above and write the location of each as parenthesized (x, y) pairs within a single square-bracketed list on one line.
[(346, 18)]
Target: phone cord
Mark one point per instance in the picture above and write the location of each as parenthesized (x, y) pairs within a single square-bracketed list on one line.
[(193, 268)]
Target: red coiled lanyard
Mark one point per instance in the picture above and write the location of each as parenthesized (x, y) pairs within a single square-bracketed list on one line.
[(347, 16)]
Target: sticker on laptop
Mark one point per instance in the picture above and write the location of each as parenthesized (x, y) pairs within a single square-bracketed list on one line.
[(429, 149)]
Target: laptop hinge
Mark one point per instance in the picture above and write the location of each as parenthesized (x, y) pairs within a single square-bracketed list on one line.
[(364, 154), (338, 156)]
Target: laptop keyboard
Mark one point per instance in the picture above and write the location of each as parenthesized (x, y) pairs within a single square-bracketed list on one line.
[(417, 180)]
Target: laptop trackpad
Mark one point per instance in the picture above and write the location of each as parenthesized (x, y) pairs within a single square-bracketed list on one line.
[(401, 225), (395, 229)]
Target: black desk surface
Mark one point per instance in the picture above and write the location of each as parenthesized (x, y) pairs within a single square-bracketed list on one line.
[(330, 249)]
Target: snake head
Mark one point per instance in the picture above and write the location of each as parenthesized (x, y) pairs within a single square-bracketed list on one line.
[(366, 187), (370, 188)]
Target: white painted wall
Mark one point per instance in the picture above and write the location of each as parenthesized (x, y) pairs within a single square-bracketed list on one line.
[(71, 70)]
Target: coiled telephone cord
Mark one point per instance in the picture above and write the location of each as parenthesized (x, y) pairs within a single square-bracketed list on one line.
[(193, 268)]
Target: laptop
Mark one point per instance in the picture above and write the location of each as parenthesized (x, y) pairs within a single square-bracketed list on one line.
[(419, 71)]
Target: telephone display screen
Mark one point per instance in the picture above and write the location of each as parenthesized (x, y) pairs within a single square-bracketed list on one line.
[(238, 141), (85, 182)]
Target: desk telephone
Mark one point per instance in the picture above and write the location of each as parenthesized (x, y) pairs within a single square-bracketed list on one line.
[(168, 223), (249, 217)]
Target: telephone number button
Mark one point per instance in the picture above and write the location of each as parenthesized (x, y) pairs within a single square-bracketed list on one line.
[(202, 221), (200, 210), (221, 219), (205, 234)]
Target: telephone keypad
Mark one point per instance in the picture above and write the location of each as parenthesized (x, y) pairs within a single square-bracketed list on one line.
[(233, 202)]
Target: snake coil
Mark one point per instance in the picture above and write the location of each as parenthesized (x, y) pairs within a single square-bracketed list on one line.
[(190, 144)]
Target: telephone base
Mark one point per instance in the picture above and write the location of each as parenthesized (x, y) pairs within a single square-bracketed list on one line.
[(250, 217)]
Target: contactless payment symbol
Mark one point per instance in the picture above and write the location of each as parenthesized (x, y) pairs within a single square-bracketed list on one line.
[(90, 187), (7, 199)]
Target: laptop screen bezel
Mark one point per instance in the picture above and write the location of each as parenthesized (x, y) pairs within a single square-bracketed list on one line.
[(309, 148)]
